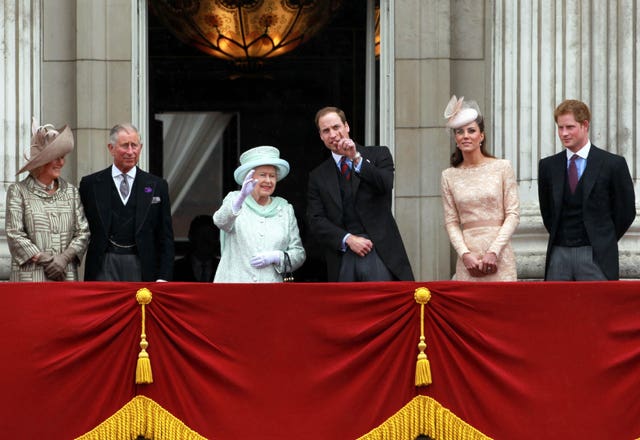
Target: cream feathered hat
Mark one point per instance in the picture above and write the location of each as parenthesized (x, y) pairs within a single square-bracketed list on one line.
[(460, 112), (47, 144)]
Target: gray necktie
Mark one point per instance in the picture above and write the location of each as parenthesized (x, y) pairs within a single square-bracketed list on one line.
[(124, 186)]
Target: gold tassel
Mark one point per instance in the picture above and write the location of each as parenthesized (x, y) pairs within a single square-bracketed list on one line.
[(422, 296), (143, 368)]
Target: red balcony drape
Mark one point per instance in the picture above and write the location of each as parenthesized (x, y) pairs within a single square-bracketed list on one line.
[(323, 361)]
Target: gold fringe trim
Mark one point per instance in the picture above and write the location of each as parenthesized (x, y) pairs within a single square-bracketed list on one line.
[(143, 367), (142, 416), (424, 415), (422, 296)]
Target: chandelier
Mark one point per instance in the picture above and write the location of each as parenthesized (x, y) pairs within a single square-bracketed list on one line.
[(244, 31)]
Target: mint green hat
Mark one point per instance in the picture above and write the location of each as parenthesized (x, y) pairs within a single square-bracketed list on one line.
[(257, 156)]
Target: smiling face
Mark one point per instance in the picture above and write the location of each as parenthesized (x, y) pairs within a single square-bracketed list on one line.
[(266, 176), (50, 171), (572, 134), (469, 137)]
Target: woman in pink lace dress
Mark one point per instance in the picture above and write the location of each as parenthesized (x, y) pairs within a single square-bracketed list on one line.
[(480, 199)]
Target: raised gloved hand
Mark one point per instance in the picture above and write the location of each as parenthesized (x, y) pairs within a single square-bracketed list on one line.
[(263, 259), (247, 187), (56, 268)]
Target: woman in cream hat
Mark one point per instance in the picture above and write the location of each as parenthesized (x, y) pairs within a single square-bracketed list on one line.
[(480, 199), (259, 238), (47, 231)]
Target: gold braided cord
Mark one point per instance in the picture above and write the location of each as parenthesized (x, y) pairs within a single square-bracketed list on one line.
[(143, 366), (422, 296), (142, 416), (424, 415)]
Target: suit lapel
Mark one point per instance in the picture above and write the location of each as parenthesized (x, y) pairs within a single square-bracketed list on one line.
[(591, 171), (102, 192), (330, 175), (144, 193), (559, 174)]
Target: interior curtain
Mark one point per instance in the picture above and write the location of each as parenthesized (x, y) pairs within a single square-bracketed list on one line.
[(189, 140)]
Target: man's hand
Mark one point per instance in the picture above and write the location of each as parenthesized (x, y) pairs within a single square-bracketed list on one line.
[(347, 147), (359, 245)]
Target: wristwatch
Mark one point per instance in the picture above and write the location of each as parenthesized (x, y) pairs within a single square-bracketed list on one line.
[(357, 157)]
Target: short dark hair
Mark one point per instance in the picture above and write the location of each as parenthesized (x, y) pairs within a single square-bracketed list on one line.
[(325, 110)]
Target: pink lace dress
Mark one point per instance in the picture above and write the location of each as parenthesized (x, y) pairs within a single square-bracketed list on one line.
[(481, 212)]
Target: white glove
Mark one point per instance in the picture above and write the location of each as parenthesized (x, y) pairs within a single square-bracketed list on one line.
[(263, 259), (247, 187)]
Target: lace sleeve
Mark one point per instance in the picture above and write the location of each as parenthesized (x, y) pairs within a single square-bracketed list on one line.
[(452, 218)]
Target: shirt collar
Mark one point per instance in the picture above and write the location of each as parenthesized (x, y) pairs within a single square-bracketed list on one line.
[(115, 172), (582, 152), (337, 158)]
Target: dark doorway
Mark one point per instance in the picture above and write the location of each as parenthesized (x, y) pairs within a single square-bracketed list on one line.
[(275, 104)]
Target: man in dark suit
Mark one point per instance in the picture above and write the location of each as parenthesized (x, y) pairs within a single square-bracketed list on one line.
[(129, 216), (587, 202), (349, 207)]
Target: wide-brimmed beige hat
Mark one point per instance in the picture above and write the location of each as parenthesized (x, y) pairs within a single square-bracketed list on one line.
[(47, 144), (257, 156)]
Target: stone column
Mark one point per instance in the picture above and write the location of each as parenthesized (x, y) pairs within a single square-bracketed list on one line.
[(20, 39), (104, 71), (422, 84), (545, 52)]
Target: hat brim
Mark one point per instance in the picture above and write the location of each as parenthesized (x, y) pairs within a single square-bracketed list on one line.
[(281, 165), (463, 117), (59, 147)]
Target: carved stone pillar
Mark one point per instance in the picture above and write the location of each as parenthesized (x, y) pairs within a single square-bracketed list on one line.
[(19, 95)]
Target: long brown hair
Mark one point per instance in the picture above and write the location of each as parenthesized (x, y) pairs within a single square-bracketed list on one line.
[(456, 157)]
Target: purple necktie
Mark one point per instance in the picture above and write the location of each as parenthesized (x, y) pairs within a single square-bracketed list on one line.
[(345, 170), (573, 173)]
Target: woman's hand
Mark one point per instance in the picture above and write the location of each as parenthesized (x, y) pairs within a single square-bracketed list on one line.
[(472, 264), (489, 263), (264, 259), (247, 188)]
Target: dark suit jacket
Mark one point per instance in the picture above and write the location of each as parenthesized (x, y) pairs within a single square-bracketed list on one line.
[(154, 232), (372, 194), (608, 204)]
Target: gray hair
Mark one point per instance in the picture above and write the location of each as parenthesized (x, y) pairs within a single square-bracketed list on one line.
[(125, 126)]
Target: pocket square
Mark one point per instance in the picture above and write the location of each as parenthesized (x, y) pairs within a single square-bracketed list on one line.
[(155, 199)]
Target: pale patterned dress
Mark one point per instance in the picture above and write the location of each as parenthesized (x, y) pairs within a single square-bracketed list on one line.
[(40, 222), (481, 212), (253, 230)]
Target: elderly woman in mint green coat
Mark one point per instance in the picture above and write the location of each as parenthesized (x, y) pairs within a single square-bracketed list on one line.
[(259, 238)]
